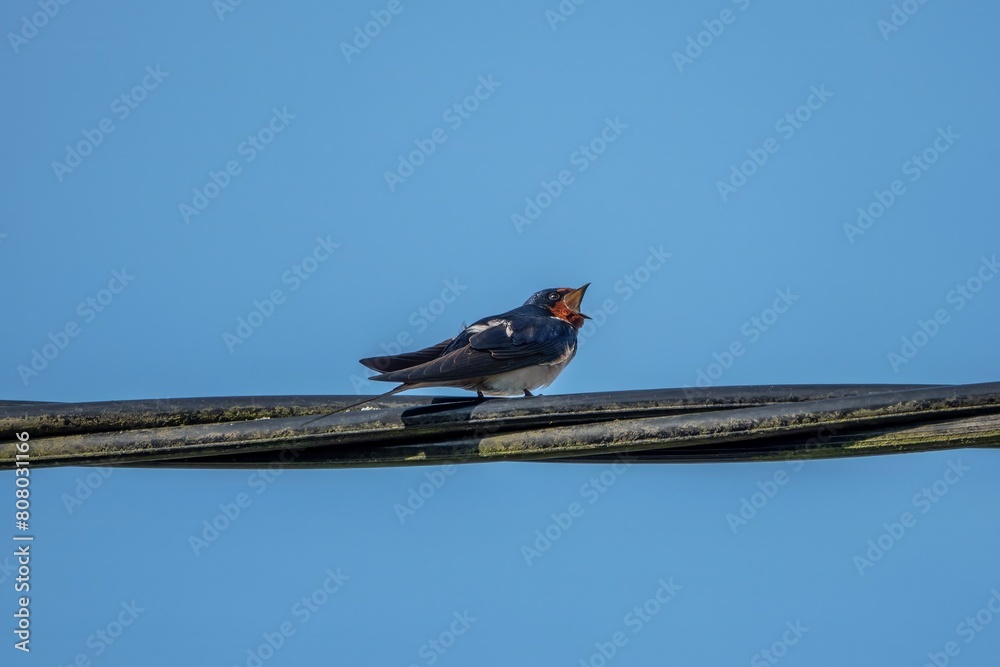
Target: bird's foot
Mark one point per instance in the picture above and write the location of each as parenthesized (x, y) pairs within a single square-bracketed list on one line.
[(480, 394), (527, 394)]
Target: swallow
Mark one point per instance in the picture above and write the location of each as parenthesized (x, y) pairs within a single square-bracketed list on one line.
[(509, 354)]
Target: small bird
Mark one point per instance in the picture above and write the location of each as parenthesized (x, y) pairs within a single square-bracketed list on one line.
[(504, 355)]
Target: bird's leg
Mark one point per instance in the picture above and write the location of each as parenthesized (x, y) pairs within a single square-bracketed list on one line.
[(527, 393), (480, 394)]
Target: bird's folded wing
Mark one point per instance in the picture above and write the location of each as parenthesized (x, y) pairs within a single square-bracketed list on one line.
[(546, 337), (491, 351)]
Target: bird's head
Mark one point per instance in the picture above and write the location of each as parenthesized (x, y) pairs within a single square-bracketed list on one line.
[(562, 302)]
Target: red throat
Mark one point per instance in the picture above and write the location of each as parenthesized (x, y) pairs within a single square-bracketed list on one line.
[(563, 312)]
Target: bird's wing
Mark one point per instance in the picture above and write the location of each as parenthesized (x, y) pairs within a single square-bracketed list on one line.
[(504, 346), (541, 337), (395, 362)]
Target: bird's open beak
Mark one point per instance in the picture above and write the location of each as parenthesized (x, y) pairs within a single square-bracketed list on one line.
[(574, 298)]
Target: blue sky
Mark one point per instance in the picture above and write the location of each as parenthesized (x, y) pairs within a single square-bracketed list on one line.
[(217, 199)]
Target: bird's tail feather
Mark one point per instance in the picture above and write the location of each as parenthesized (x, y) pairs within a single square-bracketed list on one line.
[(396, 390), (396, 362)]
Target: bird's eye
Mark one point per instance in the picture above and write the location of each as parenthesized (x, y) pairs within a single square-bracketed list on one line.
[(554, 296)]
